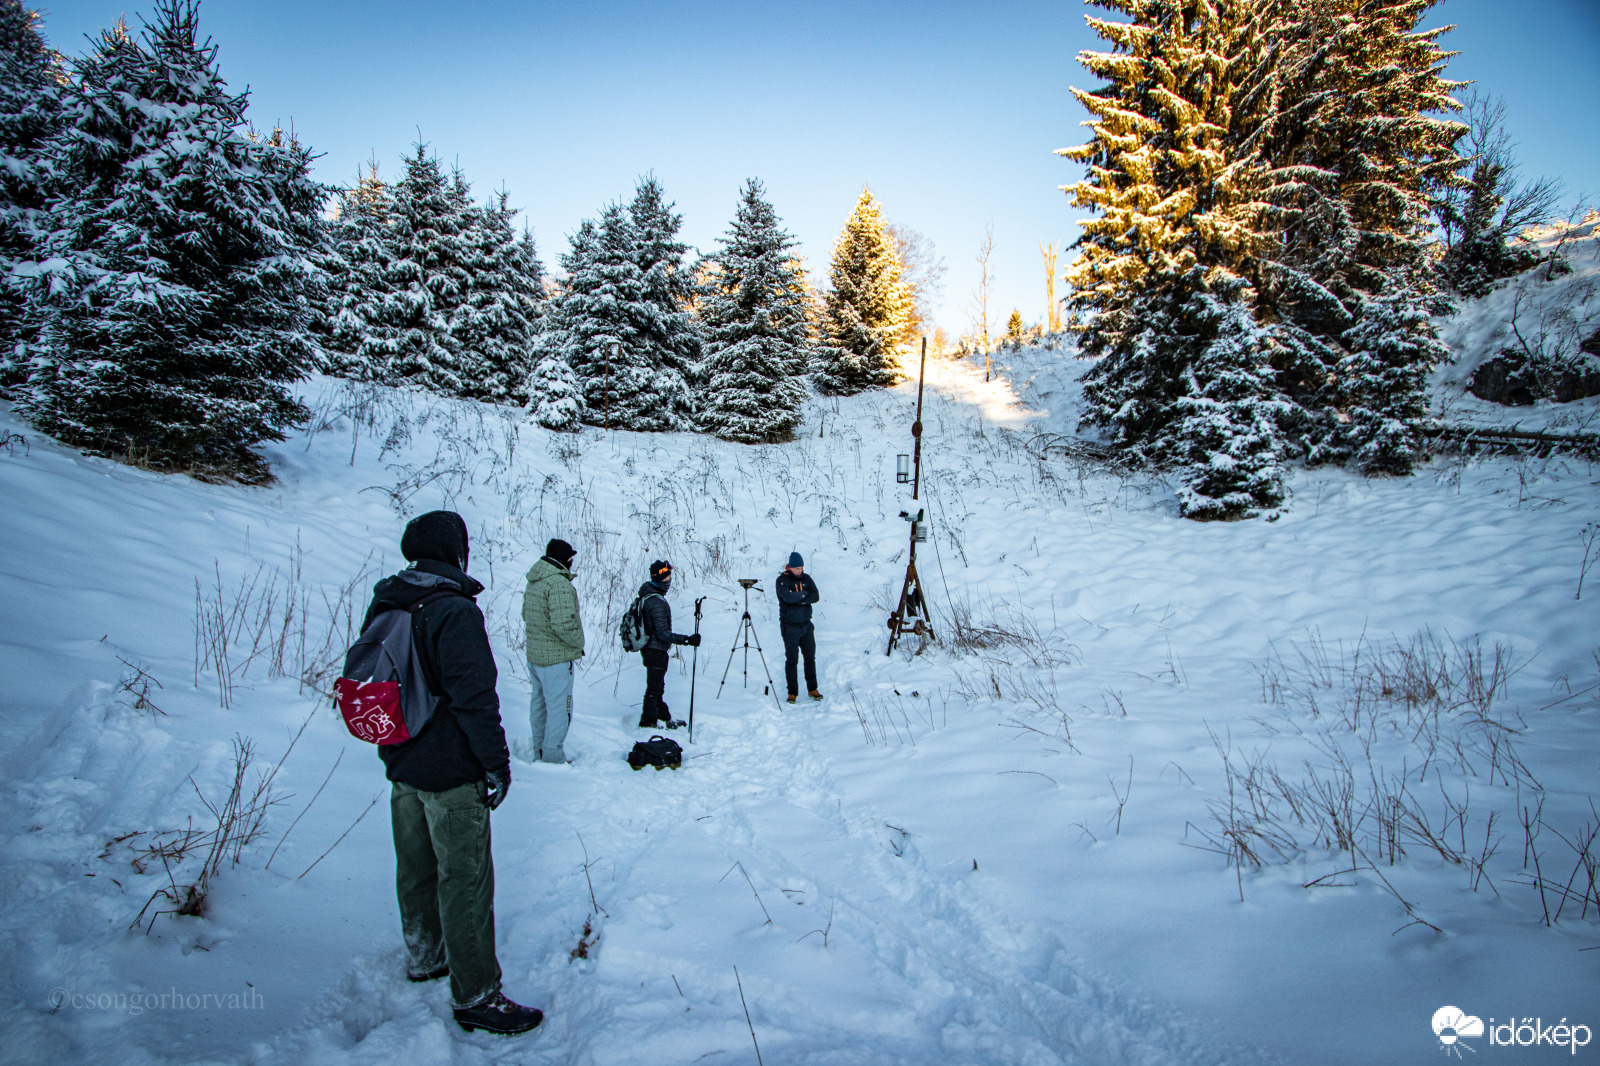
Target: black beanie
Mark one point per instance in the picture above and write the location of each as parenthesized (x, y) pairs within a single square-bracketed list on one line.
[(658, 568), (559, 551), (437, 535)]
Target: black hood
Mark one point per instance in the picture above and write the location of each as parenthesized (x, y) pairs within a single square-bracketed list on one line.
[(438, 535), (408, 586)]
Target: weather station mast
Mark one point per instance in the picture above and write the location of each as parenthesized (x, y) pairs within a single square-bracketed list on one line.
[(911, 615)]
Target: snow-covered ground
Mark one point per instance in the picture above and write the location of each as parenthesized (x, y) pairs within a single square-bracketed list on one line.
[(999, 853)]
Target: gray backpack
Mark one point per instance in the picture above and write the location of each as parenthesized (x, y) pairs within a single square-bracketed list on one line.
[(632, 631), (384, 695)]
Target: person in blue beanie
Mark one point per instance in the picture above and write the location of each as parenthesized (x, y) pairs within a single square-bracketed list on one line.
[(796, 593)]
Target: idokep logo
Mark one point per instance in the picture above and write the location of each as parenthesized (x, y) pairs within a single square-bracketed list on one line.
[(1450, 1024)]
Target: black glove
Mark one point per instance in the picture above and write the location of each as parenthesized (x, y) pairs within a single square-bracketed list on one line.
[(499, 785), (693, 640)]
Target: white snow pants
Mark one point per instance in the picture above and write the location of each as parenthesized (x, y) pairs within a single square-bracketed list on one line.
[(550, 710)]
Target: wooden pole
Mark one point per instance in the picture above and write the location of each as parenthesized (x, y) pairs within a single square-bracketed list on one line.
[(912, 612), (916, 430)]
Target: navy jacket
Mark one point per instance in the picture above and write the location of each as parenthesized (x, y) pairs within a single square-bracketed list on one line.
[(465, 738), (658, 618), (795, 597)]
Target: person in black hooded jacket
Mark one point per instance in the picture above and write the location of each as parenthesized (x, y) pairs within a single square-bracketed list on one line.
[(447, 779), (658, 624)]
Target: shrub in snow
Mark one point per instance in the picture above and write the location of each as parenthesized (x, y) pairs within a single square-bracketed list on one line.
[(172, 292), (758, 337)]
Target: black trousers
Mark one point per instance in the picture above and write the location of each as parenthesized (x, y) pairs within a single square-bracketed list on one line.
[(655, 686), (798, 639)]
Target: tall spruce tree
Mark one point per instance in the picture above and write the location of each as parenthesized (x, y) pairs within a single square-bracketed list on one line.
[(1279, 156), (356, 341), (592, 329), (618, 328), (31, 81), (172, 295), (1185, 376), (426, 275), (758, 328), (867, 307), (491, 328), (1360, 156), (667, 333)]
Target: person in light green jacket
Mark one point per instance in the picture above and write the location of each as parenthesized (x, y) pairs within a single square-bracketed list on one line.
[(555, 642)]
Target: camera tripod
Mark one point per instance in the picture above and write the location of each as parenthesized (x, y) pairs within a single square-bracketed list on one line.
[(747, 633)]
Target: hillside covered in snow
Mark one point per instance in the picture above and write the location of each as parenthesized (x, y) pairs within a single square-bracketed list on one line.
[(1160, 792)]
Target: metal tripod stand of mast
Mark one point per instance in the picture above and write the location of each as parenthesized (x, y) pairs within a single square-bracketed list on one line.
[(911, 615), (747, 633)]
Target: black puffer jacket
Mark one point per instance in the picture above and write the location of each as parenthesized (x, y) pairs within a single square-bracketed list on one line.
[(795, 597), (658, 618), (465, 738)]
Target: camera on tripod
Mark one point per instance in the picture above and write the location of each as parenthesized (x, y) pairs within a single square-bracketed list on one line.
[(748, 582)]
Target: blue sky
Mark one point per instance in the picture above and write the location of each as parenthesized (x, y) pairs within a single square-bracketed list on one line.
[(949, 110)]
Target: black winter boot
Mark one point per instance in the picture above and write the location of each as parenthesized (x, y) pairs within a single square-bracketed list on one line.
[(497, 1014)]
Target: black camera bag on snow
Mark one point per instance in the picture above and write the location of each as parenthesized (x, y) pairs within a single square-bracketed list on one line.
[(658, 751)]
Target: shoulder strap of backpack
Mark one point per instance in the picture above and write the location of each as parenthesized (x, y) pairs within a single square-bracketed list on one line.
[(644, 619)]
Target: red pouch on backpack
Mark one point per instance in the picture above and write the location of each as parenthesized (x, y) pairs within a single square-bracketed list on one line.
[(371, 710)]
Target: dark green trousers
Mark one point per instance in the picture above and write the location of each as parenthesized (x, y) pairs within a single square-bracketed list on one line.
[(444, 876)]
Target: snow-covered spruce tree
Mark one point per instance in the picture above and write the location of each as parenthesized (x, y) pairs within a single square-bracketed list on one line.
[(667, 333), (866, 309), (590, 328), (30, 117), (757, 327), (1226, 414), (1359, 156), (356, 342), (1185, 375), (490, 328), (426, 275), (554, 399), (172, 301), (611, 327), (555, 393), (1382, 378), (552, 392)]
